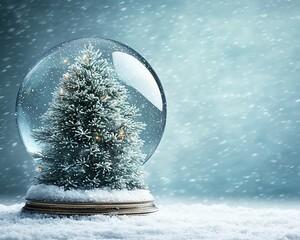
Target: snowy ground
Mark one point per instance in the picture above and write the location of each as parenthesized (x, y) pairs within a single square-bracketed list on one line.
[(175, 221)]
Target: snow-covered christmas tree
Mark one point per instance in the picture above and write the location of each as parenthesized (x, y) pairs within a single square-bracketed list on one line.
[(90, 135)]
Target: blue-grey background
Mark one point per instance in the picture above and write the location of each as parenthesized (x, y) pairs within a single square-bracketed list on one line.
[(230, 70)]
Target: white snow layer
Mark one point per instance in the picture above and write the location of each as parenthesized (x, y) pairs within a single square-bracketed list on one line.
[(44, 192), (176, 221)]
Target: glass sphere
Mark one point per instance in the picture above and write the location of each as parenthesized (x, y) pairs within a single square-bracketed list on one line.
[(144, 89)]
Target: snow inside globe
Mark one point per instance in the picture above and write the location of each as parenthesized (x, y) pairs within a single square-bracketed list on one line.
[(91, 112)]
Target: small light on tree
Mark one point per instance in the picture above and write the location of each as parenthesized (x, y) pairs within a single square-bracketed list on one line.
[(85, 57), (121, 134), (106, 97), (98, 138)]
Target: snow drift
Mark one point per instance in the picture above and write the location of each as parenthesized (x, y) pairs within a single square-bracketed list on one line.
[(176, 221), (42, 192)]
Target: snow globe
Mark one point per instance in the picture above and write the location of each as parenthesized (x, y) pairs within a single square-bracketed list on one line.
[(91, 112)]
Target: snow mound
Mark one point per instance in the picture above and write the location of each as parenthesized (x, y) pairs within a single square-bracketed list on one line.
[(52, 193), (176, 221)]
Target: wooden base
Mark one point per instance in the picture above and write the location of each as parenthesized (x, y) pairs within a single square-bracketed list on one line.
[(90, 208)]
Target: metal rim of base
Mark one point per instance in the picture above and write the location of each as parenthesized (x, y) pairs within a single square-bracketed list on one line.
[(90, 208)]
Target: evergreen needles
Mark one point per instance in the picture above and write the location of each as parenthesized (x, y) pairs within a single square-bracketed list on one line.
[(90, 136)]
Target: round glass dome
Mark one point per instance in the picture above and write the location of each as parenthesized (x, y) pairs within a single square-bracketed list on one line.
[(144, 91)]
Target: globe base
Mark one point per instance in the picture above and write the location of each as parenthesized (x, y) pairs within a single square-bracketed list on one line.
[(90, 208), (52, 199)]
